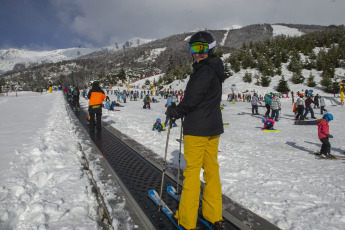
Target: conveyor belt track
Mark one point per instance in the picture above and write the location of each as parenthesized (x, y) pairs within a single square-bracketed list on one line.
[(136, 173)]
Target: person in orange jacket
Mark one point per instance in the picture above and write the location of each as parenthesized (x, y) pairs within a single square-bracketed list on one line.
[(96, 96)]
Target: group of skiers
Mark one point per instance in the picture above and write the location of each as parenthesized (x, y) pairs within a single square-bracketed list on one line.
[(201, 105), (305, 106), (273, 106), (72, 95)]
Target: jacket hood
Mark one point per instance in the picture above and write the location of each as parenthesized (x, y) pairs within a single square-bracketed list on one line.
[(95, 86), (215, 63)]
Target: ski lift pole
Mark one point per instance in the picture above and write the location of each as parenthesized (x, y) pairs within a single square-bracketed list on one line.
[(164, 165), (179, 159)]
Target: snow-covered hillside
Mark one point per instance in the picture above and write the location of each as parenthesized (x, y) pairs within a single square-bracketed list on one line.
[(10, 57), (134, 42), (284, 30)]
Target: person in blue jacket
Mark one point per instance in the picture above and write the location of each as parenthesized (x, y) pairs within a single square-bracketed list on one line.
[(169, 103), (268, 98)]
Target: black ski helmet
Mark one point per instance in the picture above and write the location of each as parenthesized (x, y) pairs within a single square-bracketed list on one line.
[(204, 36)]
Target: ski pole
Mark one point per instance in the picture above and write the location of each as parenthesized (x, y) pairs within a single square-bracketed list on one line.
[(164, 165), (179, 158)]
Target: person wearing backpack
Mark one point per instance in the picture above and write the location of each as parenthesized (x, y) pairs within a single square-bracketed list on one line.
[(96, 96)]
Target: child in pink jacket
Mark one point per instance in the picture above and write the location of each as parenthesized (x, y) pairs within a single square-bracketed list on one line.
[(268, 124), (323, 133)]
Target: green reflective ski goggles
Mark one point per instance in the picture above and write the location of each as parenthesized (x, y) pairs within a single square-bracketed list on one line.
[(198, 47)]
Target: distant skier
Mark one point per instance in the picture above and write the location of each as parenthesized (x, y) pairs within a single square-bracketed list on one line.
[(268, 105), (323, 133), (308, 108), (124, 96), (173, 104), (275, 107), (146, 101), (322, 105), (268, 124), (254, 102), (316, 101), (300, 107), (75, 98)]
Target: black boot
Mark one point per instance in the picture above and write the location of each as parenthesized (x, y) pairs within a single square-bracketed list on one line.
[(219, 225)]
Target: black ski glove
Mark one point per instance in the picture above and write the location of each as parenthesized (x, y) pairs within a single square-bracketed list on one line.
[(330, 136), (170, 110), (170, 113)]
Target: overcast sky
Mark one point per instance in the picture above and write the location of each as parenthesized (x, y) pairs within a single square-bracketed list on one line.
[(54, 24)]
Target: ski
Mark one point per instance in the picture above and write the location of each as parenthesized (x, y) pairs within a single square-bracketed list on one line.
[(332, 157), (172, 193), (271, 130), (166, 210), (320, 157)]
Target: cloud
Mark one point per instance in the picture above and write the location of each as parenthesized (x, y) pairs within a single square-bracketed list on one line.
[(99, 20), (98, 23)]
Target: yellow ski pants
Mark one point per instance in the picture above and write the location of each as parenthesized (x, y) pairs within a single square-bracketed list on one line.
[(200, 152)]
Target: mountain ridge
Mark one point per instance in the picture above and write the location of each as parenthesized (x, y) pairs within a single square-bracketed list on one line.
[(143, 58)]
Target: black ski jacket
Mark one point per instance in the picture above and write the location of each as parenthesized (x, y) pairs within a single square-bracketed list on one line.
[(200, 105)]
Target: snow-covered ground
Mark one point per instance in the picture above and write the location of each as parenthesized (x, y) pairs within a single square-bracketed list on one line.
[(42, 185), (273, 174)]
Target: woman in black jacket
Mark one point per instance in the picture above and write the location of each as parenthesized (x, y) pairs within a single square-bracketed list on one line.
[(202, 127)]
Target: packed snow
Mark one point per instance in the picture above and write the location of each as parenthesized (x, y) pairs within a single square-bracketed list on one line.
[(284, 30)]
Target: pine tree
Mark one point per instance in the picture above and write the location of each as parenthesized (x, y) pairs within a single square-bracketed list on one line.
[(327, 83), (265, 81), (283, 86), (122, 75), (247, 77), (227, 71), (234, 62), (297, 78), (295, 64), (170, 64), (310, 80)]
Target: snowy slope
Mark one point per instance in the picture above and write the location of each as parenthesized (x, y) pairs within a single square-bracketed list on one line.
[(10, 57), (273, 174), (284, 30)]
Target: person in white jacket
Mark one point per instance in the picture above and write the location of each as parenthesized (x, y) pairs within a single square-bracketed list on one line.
[(322, 105), (255, 101), (275, 107)]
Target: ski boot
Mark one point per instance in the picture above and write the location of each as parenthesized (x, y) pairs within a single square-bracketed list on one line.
[(328, 156), (219, 225)]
